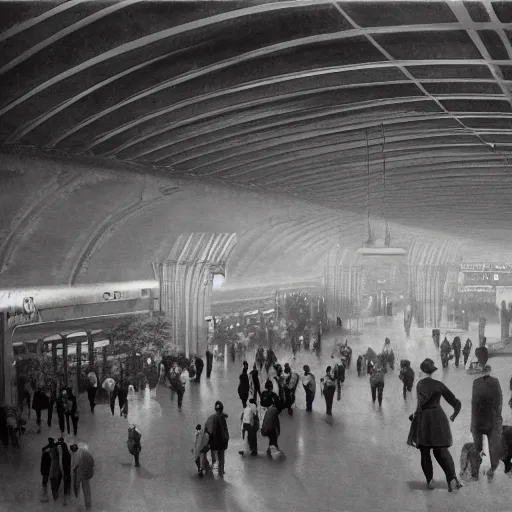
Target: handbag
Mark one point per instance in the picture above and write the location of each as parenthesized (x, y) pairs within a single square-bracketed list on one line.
[(412, 438)]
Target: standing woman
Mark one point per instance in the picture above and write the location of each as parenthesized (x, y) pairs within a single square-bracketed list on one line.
[(430, 429), (467, 350), (254, 384), (243, 387), (328, 389)]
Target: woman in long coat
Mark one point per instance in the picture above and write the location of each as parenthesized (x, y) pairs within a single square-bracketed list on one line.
[(430, 429), (244, 386)]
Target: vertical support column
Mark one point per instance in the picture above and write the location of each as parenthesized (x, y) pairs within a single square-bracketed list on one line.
[(78, 365), (6, 354), (54, 356), (90, 350), (65, 358), (39, 348)]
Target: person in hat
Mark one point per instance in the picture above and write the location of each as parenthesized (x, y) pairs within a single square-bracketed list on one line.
[(217, 428), (486, 419), (309, 383), (430, 429), (467, 350)]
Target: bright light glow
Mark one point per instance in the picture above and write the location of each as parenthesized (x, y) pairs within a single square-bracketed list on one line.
[(149, 360), (218, 281)]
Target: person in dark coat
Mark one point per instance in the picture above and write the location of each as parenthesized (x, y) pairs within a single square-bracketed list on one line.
[(269, 397), (46, 463), (309, 384), (199, 368), (446, 349), (482, 354), (217, 429), (430, 429), (406, 376), (271, 427), (339, 376), (243, 387), (291, 382), (39, 403), (467, 350), (52, 390), (377, 383), (486, 419), (65, 456), (456, 347), (209, 363), (254, 384), (328, 383), (122, 397), (70, 410)]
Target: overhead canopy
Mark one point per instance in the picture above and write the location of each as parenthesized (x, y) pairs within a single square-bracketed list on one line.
[(312, 101)]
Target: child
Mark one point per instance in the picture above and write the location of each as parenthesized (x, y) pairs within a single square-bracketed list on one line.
[(201, 448), (133, 443)]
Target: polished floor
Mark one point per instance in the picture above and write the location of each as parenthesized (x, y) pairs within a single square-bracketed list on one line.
[(356, 460)]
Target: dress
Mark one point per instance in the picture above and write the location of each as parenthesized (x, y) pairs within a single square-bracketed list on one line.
[(430, 427)]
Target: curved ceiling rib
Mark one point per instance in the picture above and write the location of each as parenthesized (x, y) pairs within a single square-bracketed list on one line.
[(65, 32), (230, 96), (20, 27), (148, 40)]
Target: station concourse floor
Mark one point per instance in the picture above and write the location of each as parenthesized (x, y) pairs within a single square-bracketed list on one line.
[(356, 460)]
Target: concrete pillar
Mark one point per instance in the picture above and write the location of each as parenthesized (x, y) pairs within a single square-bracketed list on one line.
[(6, 353), (184, 289), (65, 358), (78, 365), (90, 348)]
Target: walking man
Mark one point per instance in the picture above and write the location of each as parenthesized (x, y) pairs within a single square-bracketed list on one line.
[(486, 404), (456, 347), (309, 383), (467, 350), (83, 470)]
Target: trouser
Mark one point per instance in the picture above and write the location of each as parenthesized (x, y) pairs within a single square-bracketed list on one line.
[(74, 421), (444, 459), (218, 456), (290, 399), (466, 356), (67, 485), (338, 389), (359, 370), (201, 462), (244, 402), (45, 482), (62, 422), (209, 364), (136, 457), (272, 440), (444, 360), (112, 401), (310, 396), (329, 396), (377, 390), (252, 438), (457, 358), (50, 411), (494, 437), (55, 485), (86, 488), (91, 395), (38, 417), (407, 387), (198, 374), (180, 393)]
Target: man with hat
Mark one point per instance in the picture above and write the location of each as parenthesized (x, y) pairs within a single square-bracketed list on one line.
[(486, 405), (309, 383)]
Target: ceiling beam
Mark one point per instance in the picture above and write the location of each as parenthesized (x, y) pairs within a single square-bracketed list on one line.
[(22, 57), (407, 73), (20, 27), (27, 127)]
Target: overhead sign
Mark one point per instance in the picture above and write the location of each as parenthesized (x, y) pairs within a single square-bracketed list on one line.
[(108, 296), (488, 278), (477, 289), (30, 314), (486, 267)]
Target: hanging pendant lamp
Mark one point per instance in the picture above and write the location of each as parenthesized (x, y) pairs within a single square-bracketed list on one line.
[(370, 248)]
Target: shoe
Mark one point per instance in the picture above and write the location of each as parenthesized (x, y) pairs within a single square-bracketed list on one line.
[(241, 452), (215, 466), (137, 465), (430, 486), (490, 473), (39, 430), (200, 472), (254, 454), (454, 486), (65, 501)]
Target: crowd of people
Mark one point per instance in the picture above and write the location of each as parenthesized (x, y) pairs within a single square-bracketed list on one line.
[(270, 388)]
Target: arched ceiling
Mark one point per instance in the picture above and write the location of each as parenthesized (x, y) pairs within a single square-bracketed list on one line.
[(316, 102)]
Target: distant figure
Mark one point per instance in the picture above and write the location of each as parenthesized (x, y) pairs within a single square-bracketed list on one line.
[(467, 350), (406, 376), (309, 384), (199, 368), (133, 443), (92, 386), (481, 353), (456, 347)]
